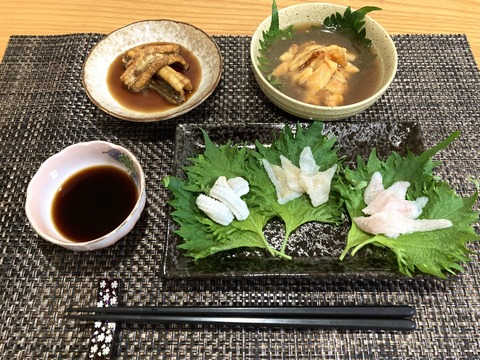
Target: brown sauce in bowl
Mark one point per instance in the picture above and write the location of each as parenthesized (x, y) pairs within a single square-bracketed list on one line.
[(149, 100)]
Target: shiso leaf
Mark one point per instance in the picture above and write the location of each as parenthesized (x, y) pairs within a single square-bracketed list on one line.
[(269, 37), (274, 32), (203, 237), (436, 252), (351, 23), (300, 211)]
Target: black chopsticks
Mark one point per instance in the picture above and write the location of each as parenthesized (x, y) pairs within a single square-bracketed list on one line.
[(369, 317), (384, 311)]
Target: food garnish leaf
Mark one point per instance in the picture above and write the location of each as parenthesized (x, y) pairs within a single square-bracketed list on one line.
[(300, 211), (203, 237), (274, 32), (436, 252), (351, 23), (269, 37)]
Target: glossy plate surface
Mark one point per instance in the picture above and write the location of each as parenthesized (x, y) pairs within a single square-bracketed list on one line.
[(315, 247)]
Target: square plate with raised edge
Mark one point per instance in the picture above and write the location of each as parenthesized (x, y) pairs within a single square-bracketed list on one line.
[(315, 247)]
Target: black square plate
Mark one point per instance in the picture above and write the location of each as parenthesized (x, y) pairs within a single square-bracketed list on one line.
[(315, 247)]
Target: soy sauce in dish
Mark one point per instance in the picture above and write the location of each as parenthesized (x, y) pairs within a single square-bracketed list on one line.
[(149, 100), (93, 202)]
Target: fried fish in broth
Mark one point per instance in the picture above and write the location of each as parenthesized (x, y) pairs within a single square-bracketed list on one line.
[(320, 72)]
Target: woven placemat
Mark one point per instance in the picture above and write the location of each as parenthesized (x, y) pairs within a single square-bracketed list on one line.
[(44, 109)]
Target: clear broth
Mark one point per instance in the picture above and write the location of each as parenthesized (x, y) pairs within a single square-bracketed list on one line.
[(360, 86)]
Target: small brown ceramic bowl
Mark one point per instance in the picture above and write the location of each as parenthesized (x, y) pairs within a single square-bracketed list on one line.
[(97, 64)]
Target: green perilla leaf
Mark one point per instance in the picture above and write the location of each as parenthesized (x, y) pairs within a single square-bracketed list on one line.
[(436, 252), (351, 23)]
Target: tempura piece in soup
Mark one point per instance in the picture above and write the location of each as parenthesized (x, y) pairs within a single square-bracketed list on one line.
[(320, 72)]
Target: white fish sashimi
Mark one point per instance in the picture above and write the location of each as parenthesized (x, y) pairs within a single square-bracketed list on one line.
[(226, 195), (307, 162), (318, 186), (393, 198), (374, 188), (292, 174), (395, 194), (214, 209), (224, 203), (291, 181), (391, 214), (409, 209), (239, 185), (392, 224), (279, 180), (399, 189)]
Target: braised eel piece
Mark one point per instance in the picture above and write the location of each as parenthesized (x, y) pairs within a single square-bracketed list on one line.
[(148, 67)]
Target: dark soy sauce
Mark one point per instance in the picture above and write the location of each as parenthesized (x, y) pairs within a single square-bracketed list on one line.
[(93, 202)]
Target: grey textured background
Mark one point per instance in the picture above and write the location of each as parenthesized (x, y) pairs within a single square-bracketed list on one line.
[(43, 109)]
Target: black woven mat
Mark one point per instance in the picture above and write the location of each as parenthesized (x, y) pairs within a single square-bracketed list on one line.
[(43, 108)]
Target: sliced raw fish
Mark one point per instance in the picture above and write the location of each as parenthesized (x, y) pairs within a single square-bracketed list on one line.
[(291, 182), (375, 187), (393, 198), (409, 209), (239, 185), (226, 195), (278, 178), (391, 214), (392, 224), (307, 162), (214, 209), (318, 186), (292, 174), (397, 191)]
